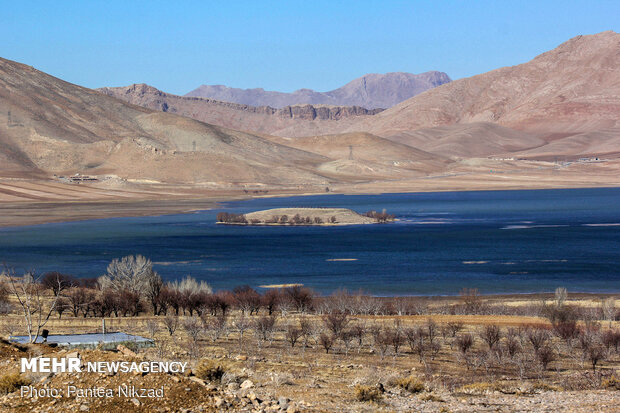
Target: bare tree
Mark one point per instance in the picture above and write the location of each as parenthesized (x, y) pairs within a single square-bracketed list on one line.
[(491, 335), (241, 324), (545, 355), (537, 337), (596, 353), (216, 326), (292, 334), (336, 322), (193, 328), (608, 307), (152, 326), (264, 327), (560, 297), (455, 327), (57, 282), (327, 341), (172, 323), (36, 308), (464, 343), (129, 273)]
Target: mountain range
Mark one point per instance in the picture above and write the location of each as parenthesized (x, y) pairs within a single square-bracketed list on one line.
[(371, 91), (295, 121), (503, 128)]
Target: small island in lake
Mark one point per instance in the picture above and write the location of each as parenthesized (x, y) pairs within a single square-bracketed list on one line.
[(305, 216)]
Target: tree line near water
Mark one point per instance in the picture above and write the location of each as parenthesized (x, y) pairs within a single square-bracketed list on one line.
[(297, 219)]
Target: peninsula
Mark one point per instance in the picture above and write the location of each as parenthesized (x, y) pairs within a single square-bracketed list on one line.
[(304, 216)]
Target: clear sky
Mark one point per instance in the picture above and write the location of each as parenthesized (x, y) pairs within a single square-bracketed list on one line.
[(285, 45)]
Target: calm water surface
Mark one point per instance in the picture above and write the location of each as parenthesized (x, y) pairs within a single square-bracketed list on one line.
[(497, 241)]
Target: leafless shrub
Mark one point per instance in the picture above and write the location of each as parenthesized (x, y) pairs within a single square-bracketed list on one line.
[(537, 337), (595, 354), (61, 307), (394, 337), (292, 334), (491, 334), (545, 355), (381, 342), (455, 327), (431, 331), (264, 327), (512, 344), (560, 296), (611, 338), (347, 337), (326, 341), (241, 324), (464, 342), (416, 337), (162, 347), (358, 331), (193, 328), (216, 326), (336, 322), (152, 326), (247, 299), (608, 308), (471, 300), (567, 331), (36, 308), (171, 323), (192, 348)]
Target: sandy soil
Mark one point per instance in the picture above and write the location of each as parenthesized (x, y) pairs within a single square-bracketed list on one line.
[(29, 202)]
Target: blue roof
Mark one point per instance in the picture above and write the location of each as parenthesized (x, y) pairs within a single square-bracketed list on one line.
[(84, 339)]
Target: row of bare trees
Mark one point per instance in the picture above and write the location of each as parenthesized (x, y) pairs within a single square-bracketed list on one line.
[(131, 287), (381, 217)]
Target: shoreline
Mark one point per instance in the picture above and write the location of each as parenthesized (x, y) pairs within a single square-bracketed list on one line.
[(19, 214)]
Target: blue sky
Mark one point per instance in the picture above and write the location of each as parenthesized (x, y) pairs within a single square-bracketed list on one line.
[(176, 46)]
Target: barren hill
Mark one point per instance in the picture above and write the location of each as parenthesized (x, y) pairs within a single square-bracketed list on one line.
[(299, 120), (370, 91), (571, 89), (366, 155), (469, 140), (51, 126)]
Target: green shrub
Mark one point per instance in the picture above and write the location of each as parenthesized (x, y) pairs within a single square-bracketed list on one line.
[(11, 382), (367, 393), (411, 384), (210, 370)]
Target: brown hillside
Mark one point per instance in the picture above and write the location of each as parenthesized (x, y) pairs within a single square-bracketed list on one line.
[(298, 120), (54, 127), (572, 88)]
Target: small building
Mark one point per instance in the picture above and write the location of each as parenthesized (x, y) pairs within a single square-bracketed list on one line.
[(104, 341)]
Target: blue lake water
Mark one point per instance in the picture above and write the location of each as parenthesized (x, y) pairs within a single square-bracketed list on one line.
[(496, 241)]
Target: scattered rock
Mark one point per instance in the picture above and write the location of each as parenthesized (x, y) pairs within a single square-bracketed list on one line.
[(233, 386), (125, 351), (283, 402), (248, 384)]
